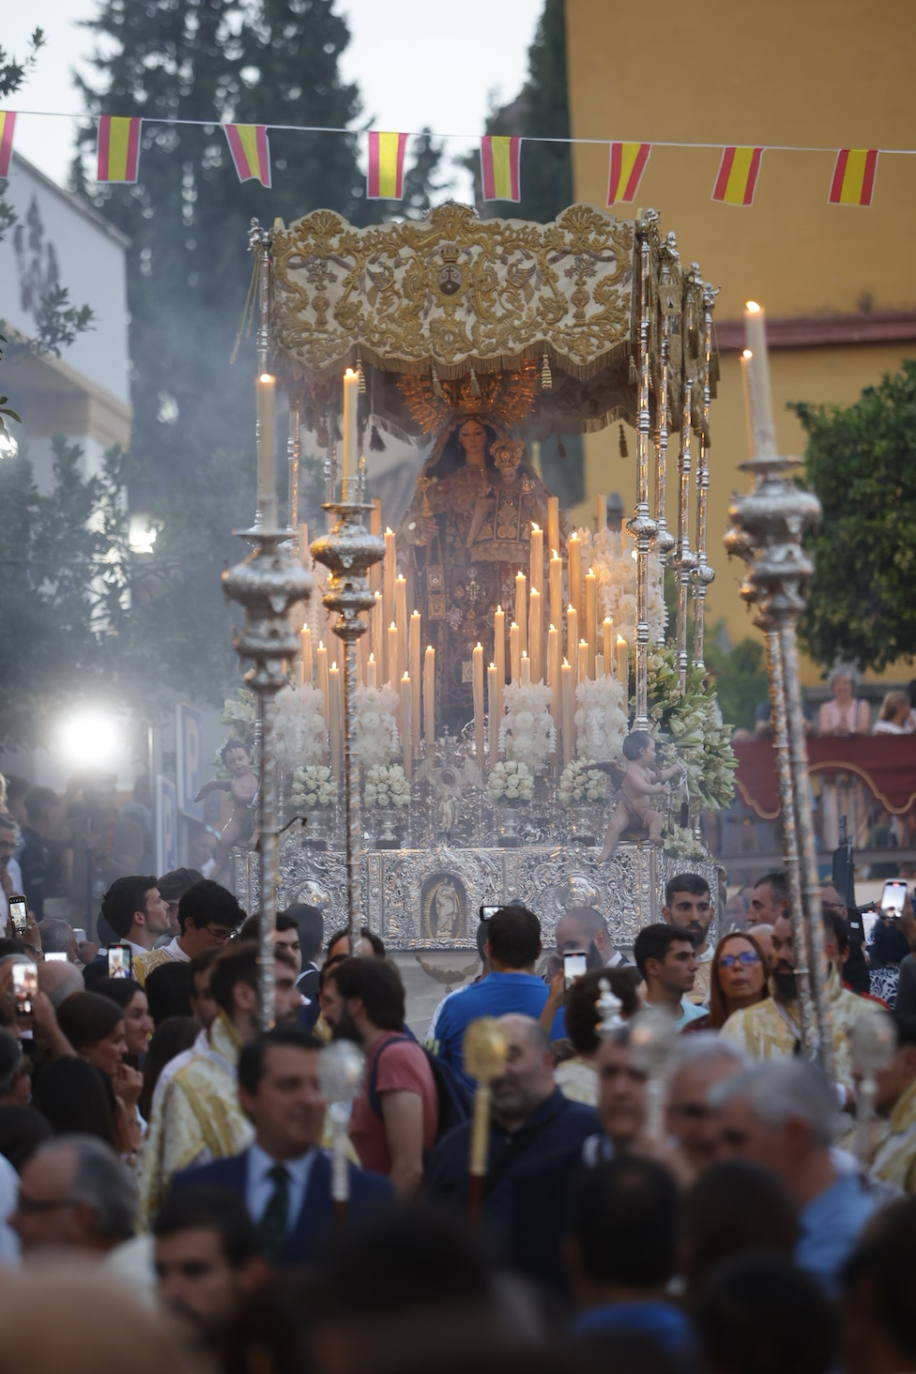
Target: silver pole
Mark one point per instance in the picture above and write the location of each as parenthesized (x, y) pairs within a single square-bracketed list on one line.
[(642, 526)]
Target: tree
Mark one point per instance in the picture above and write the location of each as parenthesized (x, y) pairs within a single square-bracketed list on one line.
[(741, 677), (187, 217), (66, 571), (860, 460), (57, 321)]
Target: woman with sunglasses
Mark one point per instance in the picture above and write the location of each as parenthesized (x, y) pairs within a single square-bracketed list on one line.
[(738, 978)]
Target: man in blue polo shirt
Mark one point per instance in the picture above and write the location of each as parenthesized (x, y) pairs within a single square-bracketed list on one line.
[(513, 947)]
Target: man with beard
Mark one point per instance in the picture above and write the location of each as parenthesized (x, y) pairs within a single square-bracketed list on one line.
[(688, 904), (530, 1120), (772, 1029), (396, 1116)]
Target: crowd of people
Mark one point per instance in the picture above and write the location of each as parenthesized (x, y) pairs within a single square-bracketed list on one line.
[(718, 1211)]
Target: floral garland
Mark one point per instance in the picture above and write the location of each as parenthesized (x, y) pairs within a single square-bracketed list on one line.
[(387, 785), (601, 721), (579, 783), (615, 569), (511, 781), (694, 725), (300, 732), (527, 733), (376, 727), (314, 785)]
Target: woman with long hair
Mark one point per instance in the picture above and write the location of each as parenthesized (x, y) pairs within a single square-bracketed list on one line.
[(737, 979), (94, 1025), (138, 1024)]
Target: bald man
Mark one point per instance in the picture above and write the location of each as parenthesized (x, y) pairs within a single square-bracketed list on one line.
[(530, 1119)]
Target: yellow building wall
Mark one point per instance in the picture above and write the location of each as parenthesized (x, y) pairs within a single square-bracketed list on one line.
[(797, 72)]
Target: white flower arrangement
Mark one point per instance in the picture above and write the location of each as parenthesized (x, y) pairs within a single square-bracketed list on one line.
[(314, 785), (580, 784), (239, 712), (299, 726), (615, 569), (600, 719), (527, 733), (511, 781), (377, 736), (693, 722), (387, 785), (681, 843)]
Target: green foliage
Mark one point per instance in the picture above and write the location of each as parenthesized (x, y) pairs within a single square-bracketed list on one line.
[(741, 678), (66, 570), (861, 462), (187, 219)]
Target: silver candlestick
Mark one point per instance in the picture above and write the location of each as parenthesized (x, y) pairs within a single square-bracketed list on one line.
[(349, 551), (267, 584)]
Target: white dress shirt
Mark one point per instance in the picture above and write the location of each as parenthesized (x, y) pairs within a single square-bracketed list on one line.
[(259, 1187)]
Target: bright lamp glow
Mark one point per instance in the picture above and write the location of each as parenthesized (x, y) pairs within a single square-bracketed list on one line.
[(90, 738), (141, 535)]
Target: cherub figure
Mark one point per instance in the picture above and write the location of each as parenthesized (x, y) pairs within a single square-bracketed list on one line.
[(242, 786), (642, 780)]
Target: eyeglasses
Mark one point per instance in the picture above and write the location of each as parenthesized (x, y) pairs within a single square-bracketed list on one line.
[(221, 934), (746, 956)]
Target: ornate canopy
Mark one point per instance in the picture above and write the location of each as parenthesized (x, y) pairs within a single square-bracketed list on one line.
[(445, 312)]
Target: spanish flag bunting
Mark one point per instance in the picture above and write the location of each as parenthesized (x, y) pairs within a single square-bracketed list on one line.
[(738, 173), (385, 180), (250, 151), (854, 176), (118, 148), (7, 128), (628, 162), (499, 162)]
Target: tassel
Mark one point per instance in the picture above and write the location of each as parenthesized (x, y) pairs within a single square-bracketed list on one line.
[(361, 376), (475, 385), (561, 449), (624, 451), (437, 386), (376, 442), (546, 374)]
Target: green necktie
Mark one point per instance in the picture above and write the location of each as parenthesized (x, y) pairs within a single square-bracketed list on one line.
[(274, 1222)]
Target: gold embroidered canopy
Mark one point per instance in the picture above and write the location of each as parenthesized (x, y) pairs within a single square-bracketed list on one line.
[(446, 312)]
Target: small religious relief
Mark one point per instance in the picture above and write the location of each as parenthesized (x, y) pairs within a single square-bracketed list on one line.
[(444, 907)]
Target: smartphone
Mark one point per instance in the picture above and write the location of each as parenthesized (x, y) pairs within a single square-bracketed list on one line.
[(487, 911), (19, 913), (869, 921), (56, 957), (25, 986), (574, 966), (892, 898), (119, 961), (80, 934)]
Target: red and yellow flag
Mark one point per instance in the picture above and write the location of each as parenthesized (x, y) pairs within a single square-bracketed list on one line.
[(628, 162), (118, 148), (385, 180), (738, 173), (7, 128), (499, 164), (250, 151), (854, 176)]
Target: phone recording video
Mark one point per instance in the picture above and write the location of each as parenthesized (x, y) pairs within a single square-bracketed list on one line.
[(487, 911), (119, 961), (25, 987), (575, 964), (19, 913), (869, 921), (56, 957), (892, 897)]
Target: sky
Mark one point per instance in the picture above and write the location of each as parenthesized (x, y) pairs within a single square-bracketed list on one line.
[(417, 62)]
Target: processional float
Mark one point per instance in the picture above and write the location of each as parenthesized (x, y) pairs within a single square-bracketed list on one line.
[(480, 666)]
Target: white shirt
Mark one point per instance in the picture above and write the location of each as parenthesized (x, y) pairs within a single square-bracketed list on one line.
[(174, 951), (259, 1187)]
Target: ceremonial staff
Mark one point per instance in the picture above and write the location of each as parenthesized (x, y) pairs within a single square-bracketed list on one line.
[(485, 1051)]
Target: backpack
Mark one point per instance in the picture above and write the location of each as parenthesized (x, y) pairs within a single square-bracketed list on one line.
[(452, 1098)]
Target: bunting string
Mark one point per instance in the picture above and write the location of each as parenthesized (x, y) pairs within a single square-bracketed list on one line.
[(852, 181)]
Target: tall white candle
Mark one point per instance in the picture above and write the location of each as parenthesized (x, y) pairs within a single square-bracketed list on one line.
[(555, 574), (406, 724), (535, 634), (553, 523), (536, 555), (348, 445), (759, 378), (521, 608), (477, 685), (494, 710), (574, 562), (567, 710), (415, 677), (266, 446), (515, 653), (429, 697)]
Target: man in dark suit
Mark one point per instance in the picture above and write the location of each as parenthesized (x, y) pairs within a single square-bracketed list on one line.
[(284, 1178)]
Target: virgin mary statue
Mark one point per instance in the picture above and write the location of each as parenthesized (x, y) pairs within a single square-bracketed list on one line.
[(467, 532)]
